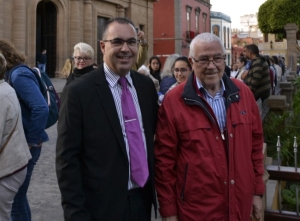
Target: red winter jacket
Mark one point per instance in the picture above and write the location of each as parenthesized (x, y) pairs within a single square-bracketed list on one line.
[(200, 176)]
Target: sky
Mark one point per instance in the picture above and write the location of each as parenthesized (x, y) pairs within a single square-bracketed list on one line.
[(236, 8)]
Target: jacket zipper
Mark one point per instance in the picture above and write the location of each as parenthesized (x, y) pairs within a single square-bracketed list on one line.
[(207, 112), (228, 154), (184, 182)]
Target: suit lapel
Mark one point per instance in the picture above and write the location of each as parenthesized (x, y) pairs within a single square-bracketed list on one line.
[(109, 107)]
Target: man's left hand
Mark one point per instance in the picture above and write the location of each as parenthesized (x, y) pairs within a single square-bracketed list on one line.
[(257, 207), (141, 35)]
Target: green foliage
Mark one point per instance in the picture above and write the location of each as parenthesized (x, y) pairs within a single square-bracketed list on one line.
[(286, 126), (273, 15), (289, 196)]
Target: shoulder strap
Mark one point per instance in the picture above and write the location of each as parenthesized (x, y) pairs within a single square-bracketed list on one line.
[(11, 133), (8, 75)]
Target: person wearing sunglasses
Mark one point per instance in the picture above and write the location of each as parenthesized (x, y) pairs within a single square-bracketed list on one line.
[(208, 143), (83, 61)]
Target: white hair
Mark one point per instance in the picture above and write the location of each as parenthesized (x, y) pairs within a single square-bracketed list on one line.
[(206, 37), (85, 49), (167, 69), (144, 70)]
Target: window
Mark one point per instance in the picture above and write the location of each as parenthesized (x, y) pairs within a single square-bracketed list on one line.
[(188, 18), (204, 22), (216, 30), (266, 39), (224, 39), (197, 12), (228, 39)]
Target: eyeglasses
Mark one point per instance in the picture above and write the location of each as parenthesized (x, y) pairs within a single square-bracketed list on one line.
[(118, 42), (217, 60), (181, 70), (84, 59)]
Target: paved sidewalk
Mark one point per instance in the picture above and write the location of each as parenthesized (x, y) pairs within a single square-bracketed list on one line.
[(43, 193)]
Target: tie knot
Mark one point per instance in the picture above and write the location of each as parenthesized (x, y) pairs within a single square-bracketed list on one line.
[(123, 82)]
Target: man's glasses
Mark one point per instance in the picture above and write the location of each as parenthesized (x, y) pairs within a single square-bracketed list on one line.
[(84, 59), (204, 60), (118, 42), (181, 70)]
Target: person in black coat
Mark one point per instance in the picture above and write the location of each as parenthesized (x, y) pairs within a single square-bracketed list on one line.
[(93, 158)]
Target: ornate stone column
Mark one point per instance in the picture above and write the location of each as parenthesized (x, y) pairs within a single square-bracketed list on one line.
[(75, 30), (87, 25), (291, 59), (19, 25), (120, 11)]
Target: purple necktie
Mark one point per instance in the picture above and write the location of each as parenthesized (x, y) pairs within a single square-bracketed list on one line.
[(137, 154)]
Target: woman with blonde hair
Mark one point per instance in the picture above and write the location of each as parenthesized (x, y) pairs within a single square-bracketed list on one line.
[(14, 151), (68, 67)]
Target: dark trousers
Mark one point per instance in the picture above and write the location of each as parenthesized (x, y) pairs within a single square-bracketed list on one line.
[(139, 204)]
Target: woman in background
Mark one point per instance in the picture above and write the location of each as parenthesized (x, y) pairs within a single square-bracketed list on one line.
[(68, 67), (241, 64), (83, 61), (167, 75), (181, 69), (154, 67), (14, 150)]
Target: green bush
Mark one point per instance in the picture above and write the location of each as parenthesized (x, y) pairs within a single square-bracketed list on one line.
[(286, 126)]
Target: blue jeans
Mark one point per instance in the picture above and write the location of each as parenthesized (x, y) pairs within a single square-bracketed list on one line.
[(20, 209), (42, 67)]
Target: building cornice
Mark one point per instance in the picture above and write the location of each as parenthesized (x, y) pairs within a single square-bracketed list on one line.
[(220, 15), (204, 2)]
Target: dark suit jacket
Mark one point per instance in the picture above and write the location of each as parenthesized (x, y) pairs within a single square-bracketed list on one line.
[(91, 160)]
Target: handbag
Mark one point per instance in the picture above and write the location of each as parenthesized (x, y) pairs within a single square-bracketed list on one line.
[(10, 135)]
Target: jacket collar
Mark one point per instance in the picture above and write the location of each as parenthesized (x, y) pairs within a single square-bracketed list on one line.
[(231, 93)]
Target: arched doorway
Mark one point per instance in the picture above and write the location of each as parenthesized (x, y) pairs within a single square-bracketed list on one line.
[(46, 26)]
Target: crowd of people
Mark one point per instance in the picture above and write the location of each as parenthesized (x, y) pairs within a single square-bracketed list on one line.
[(184, 136)]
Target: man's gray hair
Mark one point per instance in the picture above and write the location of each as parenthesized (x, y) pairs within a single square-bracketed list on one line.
[(206, 37)]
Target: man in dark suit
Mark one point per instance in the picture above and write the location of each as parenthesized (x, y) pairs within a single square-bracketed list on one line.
[(98, 174)]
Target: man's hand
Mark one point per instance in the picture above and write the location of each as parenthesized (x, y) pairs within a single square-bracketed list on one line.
[(141, 35), (257, 207), (170, 218)]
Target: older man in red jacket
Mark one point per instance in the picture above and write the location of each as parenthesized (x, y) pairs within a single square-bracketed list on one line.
[(209, 160)]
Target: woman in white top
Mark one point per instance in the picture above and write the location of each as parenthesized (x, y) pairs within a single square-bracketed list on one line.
[(241, 63), (278, 68)]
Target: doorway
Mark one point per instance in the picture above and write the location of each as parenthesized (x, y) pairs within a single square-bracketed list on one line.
[(46, 31), (101, 24)]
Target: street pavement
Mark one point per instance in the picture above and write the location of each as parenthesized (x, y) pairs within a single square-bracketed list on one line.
[(43, 193)]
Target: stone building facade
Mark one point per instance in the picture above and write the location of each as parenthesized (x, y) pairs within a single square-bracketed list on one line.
[(57, 25), (221, 27)]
